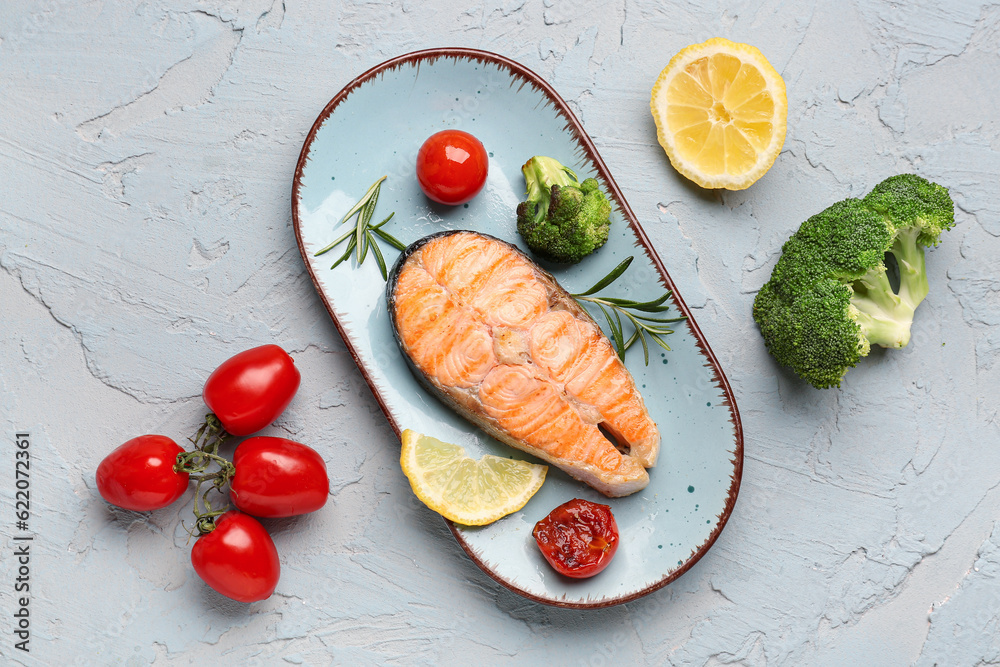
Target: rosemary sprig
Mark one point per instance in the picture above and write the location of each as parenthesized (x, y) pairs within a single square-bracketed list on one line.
[(362, 236), (614, 309)]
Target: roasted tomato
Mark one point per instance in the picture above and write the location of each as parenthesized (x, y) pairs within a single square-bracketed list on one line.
[(140, 475), (238, 558), (578, 538), (278, 477), (452, 167), (248, 391)]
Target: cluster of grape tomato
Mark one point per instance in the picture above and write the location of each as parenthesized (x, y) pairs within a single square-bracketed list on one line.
[(268, 476)]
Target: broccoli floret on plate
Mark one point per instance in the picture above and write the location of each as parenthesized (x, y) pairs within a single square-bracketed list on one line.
[(563, 219)]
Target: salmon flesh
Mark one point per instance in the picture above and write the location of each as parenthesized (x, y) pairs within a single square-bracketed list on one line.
[(498, 340)]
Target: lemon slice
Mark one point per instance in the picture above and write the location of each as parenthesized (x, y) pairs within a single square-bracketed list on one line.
[(470, 492), (720, 112)]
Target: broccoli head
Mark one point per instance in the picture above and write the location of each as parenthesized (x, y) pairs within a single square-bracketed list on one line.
[(562, 219), (830, 297)]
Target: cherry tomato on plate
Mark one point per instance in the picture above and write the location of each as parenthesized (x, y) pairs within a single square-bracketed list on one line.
[(452, 167), (248, 391), (276, 477), (578, 538), (238, 558), (139, 475)]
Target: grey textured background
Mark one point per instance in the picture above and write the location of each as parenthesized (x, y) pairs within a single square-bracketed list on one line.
[(146, 155)]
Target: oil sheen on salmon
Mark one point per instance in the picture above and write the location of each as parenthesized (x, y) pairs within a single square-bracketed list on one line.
[(497, 339)]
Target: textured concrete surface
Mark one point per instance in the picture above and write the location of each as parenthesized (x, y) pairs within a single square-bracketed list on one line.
[(146, 155)]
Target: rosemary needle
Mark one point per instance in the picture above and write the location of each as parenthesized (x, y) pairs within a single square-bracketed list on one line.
[(362, 236), (614, 309)]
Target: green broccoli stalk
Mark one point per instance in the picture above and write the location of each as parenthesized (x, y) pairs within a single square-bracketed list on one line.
[(829, 298), (885, 317), (562, 219)]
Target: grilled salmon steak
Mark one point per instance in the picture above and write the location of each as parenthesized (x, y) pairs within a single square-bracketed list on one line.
[(497, 339)]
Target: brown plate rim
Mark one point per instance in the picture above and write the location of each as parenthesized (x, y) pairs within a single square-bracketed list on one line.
[(575, 127)]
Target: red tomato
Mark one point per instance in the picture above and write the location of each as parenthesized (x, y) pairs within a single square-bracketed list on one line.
[(140, 475), (250, 390), (452, 166), (278, 477), (578, 538), (238, 558)]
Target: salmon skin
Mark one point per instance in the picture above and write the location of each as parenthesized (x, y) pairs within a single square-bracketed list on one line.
[(496, 338)]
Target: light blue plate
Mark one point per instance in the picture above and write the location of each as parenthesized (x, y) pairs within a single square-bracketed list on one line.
[(374, 127)]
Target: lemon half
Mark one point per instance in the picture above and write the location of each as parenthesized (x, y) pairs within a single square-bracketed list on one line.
[(460, 488), (720, 111)]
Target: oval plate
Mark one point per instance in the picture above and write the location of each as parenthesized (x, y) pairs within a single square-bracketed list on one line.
[(374, 127)]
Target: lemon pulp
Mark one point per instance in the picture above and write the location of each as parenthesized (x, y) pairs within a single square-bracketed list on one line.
[(720, 111)]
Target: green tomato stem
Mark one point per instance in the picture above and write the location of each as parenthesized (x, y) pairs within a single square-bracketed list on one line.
[(197, 462)]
